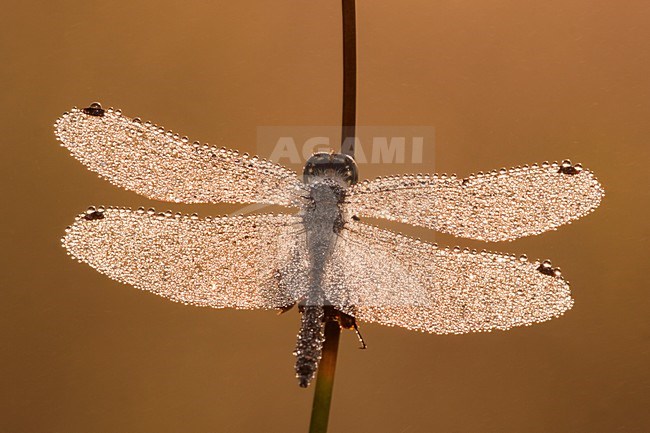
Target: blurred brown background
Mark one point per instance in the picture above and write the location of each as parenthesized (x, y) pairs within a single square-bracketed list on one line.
[(503, 82)]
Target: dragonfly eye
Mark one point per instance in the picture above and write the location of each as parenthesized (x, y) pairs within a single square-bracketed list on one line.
[(95, 109), (323, 164)]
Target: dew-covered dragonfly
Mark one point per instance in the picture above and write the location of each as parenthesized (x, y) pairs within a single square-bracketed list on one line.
[(322, 257)]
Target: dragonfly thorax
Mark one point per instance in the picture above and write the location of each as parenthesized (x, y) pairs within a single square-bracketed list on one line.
[(323, 211), (327, 177), (327, 190)]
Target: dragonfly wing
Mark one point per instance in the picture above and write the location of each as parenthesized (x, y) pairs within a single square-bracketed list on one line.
[(363, 273), (442, 290), (163, 166), (222, 262), (498, 206)]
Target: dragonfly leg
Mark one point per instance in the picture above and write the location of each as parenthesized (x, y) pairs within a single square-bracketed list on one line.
[(349, 322), (359, 336)]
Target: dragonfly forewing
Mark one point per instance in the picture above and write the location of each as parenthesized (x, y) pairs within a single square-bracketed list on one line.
[(161, 165), (497, 206)]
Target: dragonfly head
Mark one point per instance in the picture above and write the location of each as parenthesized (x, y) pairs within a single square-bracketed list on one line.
[(337, 166)]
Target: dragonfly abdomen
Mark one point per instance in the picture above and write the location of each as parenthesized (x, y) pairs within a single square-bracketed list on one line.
[(309, 347), (322, 220)]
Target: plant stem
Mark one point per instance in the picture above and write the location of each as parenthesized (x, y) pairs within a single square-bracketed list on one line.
[(349, 117), (320, 411)]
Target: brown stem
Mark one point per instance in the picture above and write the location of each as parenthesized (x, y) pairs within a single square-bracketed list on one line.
[(349, 77), (320, 411), (325, 379)]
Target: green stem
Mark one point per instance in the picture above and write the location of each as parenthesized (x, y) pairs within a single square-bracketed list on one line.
[(320, 411)]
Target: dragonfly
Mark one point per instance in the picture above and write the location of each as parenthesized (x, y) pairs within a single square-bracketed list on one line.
[(319, 255)]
